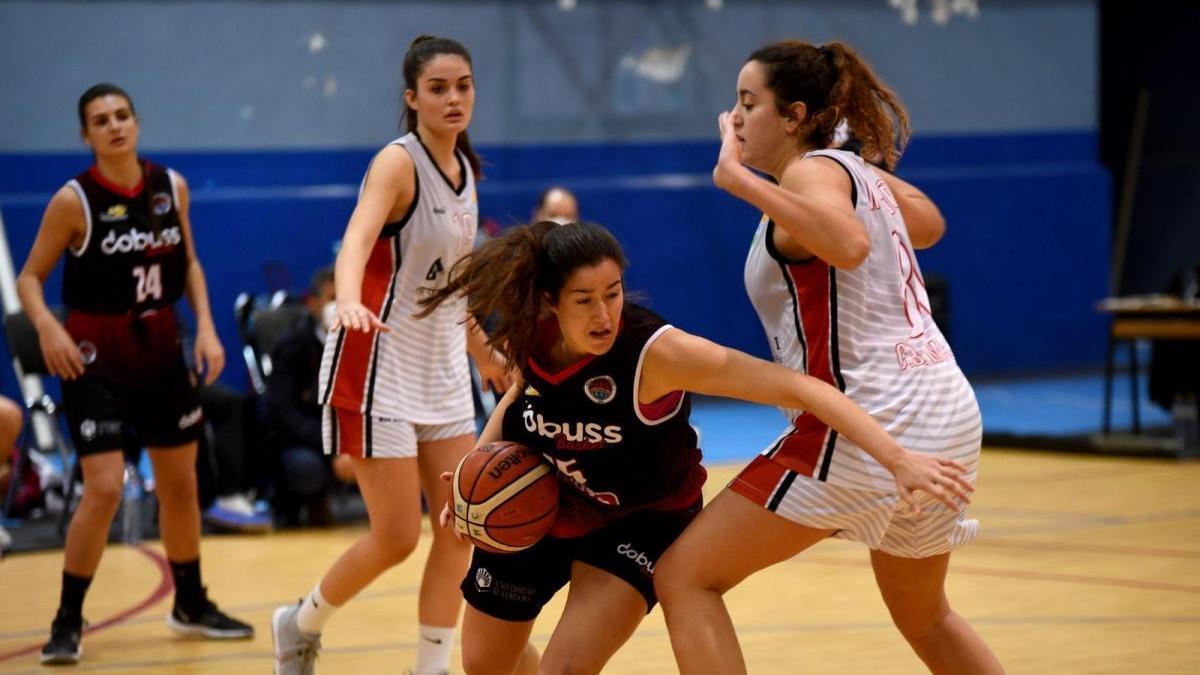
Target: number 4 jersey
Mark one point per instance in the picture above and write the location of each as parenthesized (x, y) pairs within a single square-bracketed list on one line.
[(867, 331), (133, 256)]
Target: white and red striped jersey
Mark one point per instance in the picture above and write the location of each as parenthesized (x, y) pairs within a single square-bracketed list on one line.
[(869, 332), (418, 372)]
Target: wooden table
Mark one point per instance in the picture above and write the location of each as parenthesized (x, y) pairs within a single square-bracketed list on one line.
[(1150, 317)]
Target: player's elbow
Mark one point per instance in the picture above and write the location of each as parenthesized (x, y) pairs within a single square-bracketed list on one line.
[(852, 252), (930, 232)]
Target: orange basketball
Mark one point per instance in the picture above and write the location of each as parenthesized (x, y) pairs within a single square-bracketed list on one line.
[(505, 497)]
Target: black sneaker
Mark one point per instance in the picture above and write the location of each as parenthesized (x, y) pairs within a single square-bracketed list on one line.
[(63, 648), (207, 621)]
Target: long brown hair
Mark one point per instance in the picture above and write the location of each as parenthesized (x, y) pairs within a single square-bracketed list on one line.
[(423, 50), (834, 83), (511, 277)]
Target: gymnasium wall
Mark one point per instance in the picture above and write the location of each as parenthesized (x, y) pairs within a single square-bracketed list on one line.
[(272, 110)]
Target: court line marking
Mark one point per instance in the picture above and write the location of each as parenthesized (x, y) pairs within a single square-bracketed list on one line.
[(641, 634), (1114, 549), (975, 570), (165, 586)]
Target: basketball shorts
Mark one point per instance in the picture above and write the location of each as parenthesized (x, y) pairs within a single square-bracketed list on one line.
[(349, 432), (515, 586), (135, 384), (878, 519)]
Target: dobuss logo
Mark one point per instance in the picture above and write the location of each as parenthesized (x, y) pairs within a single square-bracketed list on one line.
[(136, 240), (590, 432)]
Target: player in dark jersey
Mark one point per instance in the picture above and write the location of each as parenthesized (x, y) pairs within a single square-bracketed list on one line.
[(603, 396), (124, 228)]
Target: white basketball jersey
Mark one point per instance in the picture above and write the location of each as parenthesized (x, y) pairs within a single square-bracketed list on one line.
[(418, 372), (869, 332)]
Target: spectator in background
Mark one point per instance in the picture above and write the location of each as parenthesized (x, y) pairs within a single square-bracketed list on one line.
[(558, 204), (11, 419), (226, 467), (304, 473)]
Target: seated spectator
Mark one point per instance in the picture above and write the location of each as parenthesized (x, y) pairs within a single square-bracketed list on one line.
[(557, 203), (11, 419), (226, 469), (293, 415)]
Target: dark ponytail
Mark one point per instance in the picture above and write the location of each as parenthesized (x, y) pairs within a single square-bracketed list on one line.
[(834, 83), (423, 50), (510, 277)]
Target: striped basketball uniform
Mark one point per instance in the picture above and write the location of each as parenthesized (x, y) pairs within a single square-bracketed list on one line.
[(869, 332), (383, 392)]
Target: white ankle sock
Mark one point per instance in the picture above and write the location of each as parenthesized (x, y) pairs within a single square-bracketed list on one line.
[(433, 650), (315, 610)]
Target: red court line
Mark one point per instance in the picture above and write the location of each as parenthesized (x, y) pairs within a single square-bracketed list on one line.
[(165, 585)]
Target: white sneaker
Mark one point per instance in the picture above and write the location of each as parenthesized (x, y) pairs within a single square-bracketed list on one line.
[(295, 651)]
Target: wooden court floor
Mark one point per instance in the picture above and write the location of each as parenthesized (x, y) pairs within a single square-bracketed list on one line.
[(1084, 565)]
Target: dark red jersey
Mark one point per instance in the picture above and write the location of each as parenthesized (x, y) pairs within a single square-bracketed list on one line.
[(614, 456), (133, 257)]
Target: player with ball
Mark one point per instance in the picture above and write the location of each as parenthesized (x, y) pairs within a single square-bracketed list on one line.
[(601, 408)]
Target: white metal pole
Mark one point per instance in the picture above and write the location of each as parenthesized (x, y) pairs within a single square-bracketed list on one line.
[(31, 385)]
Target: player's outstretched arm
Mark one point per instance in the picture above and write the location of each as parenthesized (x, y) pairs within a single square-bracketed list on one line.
[(678, 360), (390, 185)]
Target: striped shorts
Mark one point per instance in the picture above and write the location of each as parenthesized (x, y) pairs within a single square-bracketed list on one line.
[(349, 432), (878, 519)]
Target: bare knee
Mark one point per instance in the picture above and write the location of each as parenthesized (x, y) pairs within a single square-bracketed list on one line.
[(102, 494), (393, 545), (920, 626), (177, 491), (675, 578), (480, 662), (565, 665)]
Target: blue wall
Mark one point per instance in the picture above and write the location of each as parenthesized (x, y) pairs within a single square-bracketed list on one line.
[(271, 108), (1025, 254)]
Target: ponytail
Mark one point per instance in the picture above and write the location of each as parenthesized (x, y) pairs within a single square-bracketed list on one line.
[(835, 84)]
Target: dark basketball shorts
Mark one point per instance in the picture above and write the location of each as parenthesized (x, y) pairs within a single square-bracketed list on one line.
[(515, 586), (135, 380)]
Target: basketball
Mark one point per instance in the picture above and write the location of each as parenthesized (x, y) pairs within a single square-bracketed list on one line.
[(505, 497)]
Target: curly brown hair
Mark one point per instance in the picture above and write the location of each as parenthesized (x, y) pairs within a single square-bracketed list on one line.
[(835, 84), (513, 276)]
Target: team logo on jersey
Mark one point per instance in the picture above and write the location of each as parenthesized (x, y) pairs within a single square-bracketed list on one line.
[(87, 429), (530, 391), (161, 202), (483, 579), (115, 214), (601, 389), (136, 240)]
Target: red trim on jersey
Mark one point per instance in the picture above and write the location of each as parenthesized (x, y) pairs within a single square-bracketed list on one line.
[(349, 432), (550, 326), (801, 449), (759, 480), (663, 407), (557, 378), (105, 183), (354, 361)]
